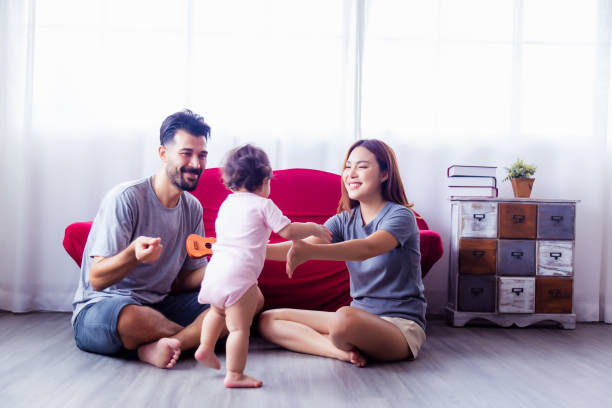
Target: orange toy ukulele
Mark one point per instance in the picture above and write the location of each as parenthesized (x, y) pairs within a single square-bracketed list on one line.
[(198, 246)]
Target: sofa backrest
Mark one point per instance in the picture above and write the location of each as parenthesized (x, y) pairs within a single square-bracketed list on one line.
[(302, 194)]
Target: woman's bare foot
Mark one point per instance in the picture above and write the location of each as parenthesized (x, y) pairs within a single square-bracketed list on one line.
[(353, 357), (357, 358), (238, 380), (207, 358), (162, 353)]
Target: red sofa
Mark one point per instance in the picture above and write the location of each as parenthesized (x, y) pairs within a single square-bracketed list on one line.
[(302, 195)]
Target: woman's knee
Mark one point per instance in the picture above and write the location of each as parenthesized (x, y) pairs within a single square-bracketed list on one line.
[(340, 327), (266, 319)]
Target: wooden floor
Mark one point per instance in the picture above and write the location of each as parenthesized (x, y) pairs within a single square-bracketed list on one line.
[(40, 366)]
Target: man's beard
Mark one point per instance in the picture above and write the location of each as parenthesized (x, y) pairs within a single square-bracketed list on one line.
[(176, 177)]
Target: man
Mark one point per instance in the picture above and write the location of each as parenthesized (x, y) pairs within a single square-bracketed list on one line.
[(135, 263)]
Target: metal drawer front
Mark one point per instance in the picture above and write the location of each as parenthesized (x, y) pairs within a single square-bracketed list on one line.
[(477, 293), (516, 295), (556, 221), (516, 257), (477, 256), (478, 220), (555, 258), (517, 220), (554, 295)]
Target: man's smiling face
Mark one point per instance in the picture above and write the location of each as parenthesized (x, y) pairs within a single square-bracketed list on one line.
[(186, 159)]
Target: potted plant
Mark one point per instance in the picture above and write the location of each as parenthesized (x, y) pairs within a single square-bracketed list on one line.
[(519, 174)]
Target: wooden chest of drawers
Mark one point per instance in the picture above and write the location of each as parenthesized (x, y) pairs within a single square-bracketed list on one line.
[(511, 261)]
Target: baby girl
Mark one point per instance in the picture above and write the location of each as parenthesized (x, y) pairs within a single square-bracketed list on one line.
[(243, 226)]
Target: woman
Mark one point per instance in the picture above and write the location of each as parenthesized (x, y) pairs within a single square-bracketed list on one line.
[(376, 233)]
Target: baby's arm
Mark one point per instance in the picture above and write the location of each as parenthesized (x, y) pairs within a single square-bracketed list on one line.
[(301, 230)]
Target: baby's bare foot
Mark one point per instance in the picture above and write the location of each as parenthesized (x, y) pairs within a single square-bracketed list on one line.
[(207, 358), (162, 353), (238, 380)]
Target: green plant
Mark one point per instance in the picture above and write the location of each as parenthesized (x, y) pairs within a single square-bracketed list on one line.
[(519, 169)]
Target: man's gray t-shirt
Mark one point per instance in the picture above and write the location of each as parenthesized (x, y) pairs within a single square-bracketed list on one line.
[(128, 211), (389, 284)]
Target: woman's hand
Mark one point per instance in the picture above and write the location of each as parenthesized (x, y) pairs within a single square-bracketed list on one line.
[(321, 232), (297, 255)]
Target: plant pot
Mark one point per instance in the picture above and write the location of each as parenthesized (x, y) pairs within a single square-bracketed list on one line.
[(522, 187)]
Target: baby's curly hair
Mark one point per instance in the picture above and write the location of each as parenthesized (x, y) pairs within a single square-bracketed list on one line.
[(247, 166)]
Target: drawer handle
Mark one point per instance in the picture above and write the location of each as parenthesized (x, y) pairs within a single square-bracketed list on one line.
[(556, 218), (554, 292), (517, 254), (477, 291), (555, 255), (518, 218), (517, 291), (479, 217), (478, 254)]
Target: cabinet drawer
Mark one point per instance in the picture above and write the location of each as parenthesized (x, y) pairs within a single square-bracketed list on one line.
[(556, 221), (478, 220), (555, 258), (516, 257), (517, 220), (554, 295), (516, 295), (477, 293), (477, 256)]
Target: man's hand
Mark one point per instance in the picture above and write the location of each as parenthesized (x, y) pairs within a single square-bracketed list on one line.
[(106, 271), (147, 249)]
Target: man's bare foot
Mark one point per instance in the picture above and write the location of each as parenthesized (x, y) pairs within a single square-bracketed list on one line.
[(238, 380), (162, 353), (207, 358)]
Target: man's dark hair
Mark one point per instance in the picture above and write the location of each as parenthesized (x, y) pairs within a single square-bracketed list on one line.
[(247, 167), (185, 120)]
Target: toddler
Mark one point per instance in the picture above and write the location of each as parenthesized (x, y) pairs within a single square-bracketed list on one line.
[(243, 227)]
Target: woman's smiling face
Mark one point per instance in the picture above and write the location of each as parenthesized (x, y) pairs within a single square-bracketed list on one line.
[(362, 176)]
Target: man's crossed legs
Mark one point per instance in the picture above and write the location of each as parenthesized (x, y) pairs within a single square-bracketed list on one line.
[(158, 332)]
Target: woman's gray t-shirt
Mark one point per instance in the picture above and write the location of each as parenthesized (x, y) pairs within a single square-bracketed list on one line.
[(389, 284)]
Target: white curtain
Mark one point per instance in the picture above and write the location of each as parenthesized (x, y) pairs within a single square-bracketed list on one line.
[(605, 312), (484, 82), (86, 84)]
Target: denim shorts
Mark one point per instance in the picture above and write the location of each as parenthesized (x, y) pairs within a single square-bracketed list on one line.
[(95, 327)]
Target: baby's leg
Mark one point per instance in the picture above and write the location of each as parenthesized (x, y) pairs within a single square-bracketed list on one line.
[(213, 323), (239, 317)]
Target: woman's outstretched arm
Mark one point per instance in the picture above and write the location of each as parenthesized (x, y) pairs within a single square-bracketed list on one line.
[(376, 244), (278, 252)]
